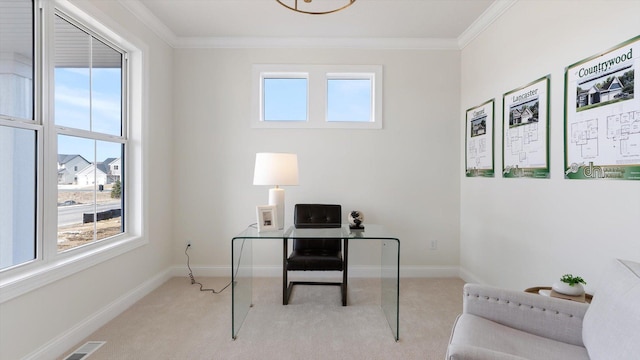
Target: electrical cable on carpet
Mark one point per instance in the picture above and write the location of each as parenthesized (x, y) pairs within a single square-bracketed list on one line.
[(193, 279)]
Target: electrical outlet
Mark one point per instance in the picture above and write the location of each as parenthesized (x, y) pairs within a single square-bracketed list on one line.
[(434, 244)]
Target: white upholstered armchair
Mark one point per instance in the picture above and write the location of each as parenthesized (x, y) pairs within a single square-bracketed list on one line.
[(498, 324)]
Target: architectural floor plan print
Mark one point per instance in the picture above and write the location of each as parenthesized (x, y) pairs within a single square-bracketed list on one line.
[(622, 139), (624, 130), (477, 150), (623, 136), (584, 134), (522, 140)]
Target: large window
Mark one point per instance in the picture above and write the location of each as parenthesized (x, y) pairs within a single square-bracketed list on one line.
[(67, 117), (317, 96), (89, 122)]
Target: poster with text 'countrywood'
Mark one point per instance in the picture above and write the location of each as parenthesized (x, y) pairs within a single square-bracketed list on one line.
[(602, 115)]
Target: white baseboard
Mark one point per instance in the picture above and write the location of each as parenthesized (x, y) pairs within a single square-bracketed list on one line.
[(469, 277), (68, 339), (354, 271)]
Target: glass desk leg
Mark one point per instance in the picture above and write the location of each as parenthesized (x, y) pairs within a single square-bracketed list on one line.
[(390, 275), (242, 281)]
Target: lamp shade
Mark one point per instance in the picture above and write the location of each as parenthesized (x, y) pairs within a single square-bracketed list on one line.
[(276, 169)]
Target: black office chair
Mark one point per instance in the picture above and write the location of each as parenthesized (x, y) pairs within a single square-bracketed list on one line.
[(316, 254)]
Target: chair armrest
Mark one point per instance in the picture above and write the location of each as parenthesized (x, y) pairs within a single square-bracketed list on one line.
[(545, 316)]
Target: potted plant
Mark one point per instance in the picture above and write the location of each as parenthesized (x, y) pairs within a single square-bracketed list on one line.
[(570, 285)]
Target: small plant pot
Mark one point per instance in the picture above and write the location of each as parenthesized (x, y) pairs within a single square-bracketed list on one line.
[(566, 289)]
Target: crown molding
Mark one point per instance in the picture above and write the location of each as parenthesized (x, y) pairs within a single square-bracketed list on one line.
[(317, 43), (158, 27), (490, 15), (487, 18)]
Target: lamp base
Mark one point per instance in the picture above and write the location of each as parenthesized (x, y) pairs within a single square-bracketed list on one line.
[(276, 197)]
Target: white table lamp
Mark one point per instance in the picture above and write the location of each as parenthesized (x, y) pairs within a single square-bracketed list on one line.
[(276, 169)]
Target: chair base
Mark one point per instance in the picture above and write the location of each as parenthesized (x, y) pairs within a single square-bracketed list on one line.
[(287, 294)]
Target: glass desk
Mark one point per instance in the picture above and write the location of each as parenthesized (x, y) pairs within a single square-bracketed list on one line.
[(242, 266)]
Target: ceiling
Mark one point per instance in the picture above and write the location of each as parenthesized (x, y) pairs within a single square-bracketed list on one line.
[(367, 23)]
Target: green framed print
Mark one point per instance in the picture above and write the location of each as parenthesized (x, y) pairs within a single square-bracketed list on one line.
[(525, 131), (479, 140), (602, 116)]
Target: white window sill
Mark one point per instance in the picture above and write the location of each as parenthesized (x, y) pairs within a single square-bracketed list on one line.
[(37, 275)]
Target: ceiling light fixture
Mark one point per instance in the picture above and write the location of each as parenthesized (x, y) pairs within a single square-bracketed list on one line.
[(319, 7)]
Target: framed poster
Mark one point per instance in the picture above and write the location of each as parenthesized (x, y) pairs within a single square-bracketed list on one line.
[(525, 131), (602, 116), (479, 140)]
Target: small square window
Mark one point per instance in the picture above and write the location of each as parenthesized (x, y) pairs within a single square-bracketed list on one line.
[(285, 99), (349, 100)]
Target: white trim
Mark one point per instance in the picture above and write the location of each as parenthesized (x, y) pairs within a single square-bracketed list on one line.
[(207, 271), (158, 27), (469, 277), (429, 272), (38, 274), (487, 18), (68, 339), (315, 43), (355, 271)]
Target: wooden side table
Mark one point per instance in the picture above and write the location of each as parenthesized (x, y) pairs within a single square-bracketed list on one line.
[(536, 290)]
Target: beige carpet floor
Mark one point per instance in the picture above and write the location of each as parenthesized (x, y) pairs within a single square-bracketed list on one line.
[(177, 321)]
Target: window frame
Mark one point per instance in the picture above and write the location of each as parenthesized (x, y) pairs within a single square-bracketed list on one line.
[(93, 135), (317, 97), (50, 265)]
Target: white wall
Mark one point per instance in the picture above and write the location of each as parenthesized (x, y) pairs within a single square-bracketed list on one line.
[(404, 176), (519, 233), (48, 318)]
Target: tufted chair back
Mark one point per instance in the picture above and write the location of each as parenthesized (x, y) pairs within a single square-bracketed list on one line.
[(317, 216)]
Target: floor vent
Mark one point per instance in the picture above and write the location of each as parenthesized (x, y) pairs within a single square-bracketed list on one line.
[(85, 350)]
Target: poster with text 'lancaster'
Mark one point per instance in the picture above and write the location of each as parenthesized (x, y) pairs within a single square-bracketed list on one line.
[(602, 115), (525, 130)]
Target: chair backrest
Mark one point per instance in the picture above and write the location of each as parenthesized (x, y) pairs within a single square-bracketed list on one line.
[(317, 216)]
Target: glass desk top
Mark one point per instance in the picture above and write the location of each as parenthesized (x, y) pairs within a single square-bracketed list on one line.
[(371, 231)]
